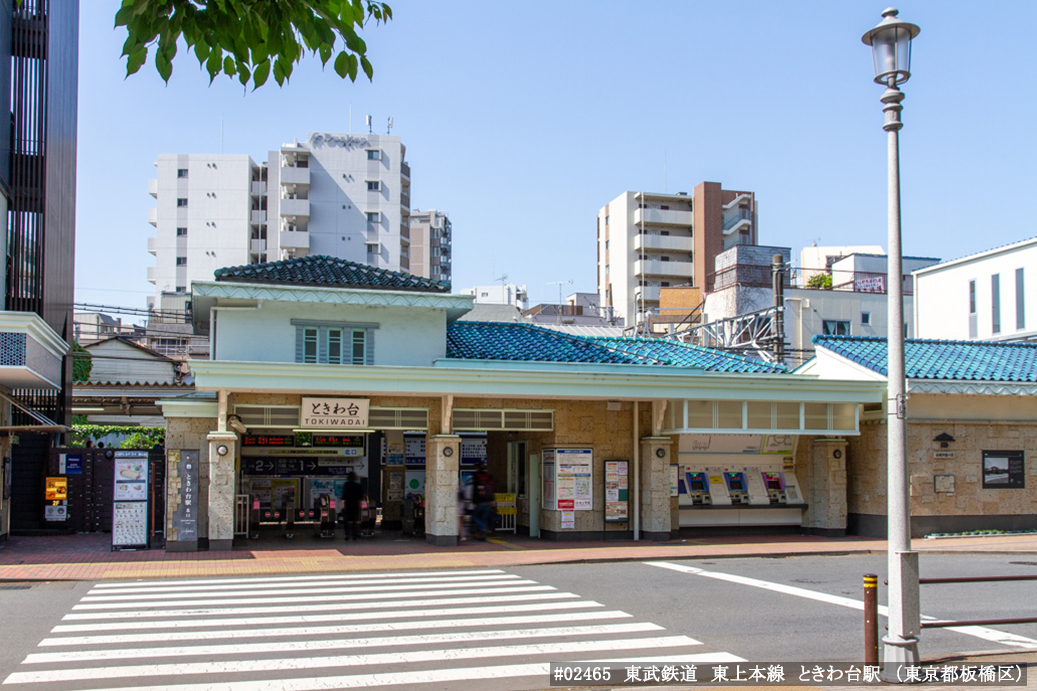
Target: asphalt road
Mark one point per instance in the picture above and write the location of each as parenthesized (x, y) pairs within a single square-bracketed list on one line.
[(479, 628), (763, 625)]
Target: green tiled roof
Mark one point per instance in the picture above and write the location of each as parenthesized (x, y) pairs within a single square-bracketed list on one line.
[(949, 360), (528, 343), (322, 270)]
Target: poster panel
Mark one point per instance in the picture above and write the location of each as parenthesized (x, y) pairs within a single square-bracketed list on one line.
[(575, 472), (1003, 470)]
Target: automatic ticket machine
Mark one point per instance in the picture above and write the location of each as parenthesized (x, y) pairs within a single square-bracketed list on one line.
[(698, 488), (737, 487)]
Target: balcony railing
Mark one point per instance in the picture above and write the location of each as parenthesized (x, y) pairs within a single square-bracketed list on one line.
[(295, 207), (405, 170), (294, 175), (672, 243), (650, 267), (669, 217)]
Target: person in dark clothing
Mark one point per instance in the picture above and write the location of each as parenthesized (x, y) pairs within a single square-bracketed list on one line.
[(352, 497), (483, 497)]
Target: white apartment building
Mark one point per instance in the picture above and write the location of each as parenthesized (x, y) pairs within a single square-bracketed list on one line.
[(649, 241), (203, 218), (504, 294), (431, 236), (815, 260), (984, 296), (343, 195)]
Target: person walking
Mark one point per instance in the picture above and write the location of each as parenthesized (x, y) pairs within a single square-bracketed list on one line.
[(352, 498), (483, 497)]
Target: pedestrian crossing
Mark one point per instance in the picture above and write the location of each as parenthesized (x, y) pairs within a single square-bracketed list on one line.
[(315, 632)]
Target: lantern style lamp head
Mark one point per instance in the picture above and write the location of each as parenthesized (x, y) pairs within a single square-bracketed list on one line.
[(890, 43)]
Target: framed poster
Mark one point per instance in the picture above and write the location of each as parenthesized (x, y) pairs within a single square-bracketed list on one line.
[(616, 491), (1003, 470), (130, 524), (573, 485)]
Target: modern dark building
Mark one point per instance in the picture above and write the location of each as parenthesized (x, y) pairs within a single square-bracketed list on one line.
[(39, 53)]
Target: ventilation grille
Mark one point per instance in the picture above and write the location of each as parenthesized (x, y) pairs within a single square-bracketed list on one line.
[(398, 418), (483, 420), (268, 416)]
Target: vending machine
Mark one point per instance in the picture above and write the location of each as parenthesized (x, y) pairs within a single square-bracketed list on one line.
[(737, 487)]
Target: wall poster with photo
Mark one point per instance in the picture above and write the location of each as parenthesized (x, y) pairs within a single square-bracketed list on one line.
[(1003, 470)]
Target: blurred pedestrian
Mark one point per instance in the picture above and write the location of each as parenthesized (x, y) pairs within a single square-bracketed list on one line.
[(483, 497), (352, 498)]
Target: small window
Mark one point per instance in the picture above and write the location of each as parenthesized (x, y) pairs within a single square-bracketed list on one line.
[(866, 318), (972, 297), (373, 185), (374, 155), (181, 172), (331, 345), (606, 220), (995, 303), (181, 231), (665, 259), (1020, 303), (665, 284), (309, 345), (181, 289), (835, 327), (181, 261), (181, 202), (374, 216)]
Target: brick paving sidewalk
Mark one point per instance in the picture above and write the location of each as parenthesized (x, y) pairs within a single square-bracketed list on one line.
[(89, 557)]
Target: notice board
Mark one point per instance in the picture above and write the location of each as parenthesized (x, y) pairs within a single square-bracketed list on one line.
[(617, 491), (567, 479), (130, 506)]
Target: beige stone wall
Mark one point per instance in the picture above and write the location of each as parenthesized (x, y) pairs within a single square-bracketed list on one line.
[(824, 481), (188, 434), (867, 467)]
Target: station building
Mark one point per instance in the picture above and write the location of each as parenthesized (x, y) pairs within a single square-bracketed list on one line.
[(320, 366)]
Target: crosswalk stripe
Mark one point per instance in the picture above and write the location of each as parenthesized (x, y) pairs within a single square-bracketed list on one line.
[(541, 669), (394, 658), (324, 644), (292, 579), (323, 607), (367, 588), (305, 598), (226, 634)]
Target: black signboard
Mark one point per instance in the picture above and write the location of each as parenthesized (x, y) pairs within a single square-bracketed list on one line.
[(1003, 470), (350, 440), (267, 440), (300, 466), (185, 517)]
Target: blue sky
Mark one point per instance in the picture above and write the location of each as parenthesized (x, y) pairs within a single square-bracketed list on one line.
[(522, 119)]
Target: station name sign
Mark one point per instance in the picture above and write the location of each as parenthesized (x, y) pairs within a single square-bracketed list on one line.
[(335, 413)]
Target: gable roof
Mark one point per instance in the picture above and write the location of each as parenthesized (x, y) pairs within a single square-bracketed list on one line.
[(322, 270), (132, 343), (942, 360), (529, 343)]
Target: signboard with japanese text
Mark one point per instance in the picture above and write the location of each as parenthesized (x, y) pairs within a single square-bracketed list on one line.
[(334, 413), (338, 465), (1003, 470), (414, 449), (185, 517), (130, 495), (617, 491)]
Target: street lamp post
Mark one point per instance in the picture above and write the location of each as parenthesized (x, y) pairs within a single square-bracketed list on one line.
[(890, 43)]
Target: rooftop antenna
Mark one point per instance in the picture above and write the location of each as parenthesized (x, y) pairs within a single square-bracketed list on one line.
[(560, 284), (504, 295), (370, 130), (389, 128)]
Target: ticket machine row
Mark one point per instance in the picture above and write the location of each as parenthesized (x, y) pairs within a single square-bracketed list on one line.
[(744, 486)]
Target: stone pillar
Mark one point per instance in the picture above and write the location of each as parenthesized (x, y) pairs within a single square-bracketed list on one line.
[(826, 487), (222, 489), (442, 459), (656, 520)]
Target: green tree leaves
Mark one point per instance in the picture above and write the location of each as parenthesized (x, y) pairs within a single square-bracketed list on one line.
[(82, 363), (249, 38)]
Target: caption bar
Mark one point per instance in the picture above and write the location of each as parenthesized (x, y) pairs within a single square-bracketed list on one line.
[(781, 673)]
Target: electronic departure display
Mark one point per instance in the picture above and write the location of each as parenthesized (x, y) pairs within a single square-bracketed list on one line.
[(350, 440), (264, 440)]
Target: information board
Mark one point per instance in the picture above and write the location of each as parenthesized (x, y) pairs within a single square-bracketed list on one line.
[(304, 466), (130, 495), (617, 491), (414, 449), (567, 476), (130, 524), (473, 449)]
